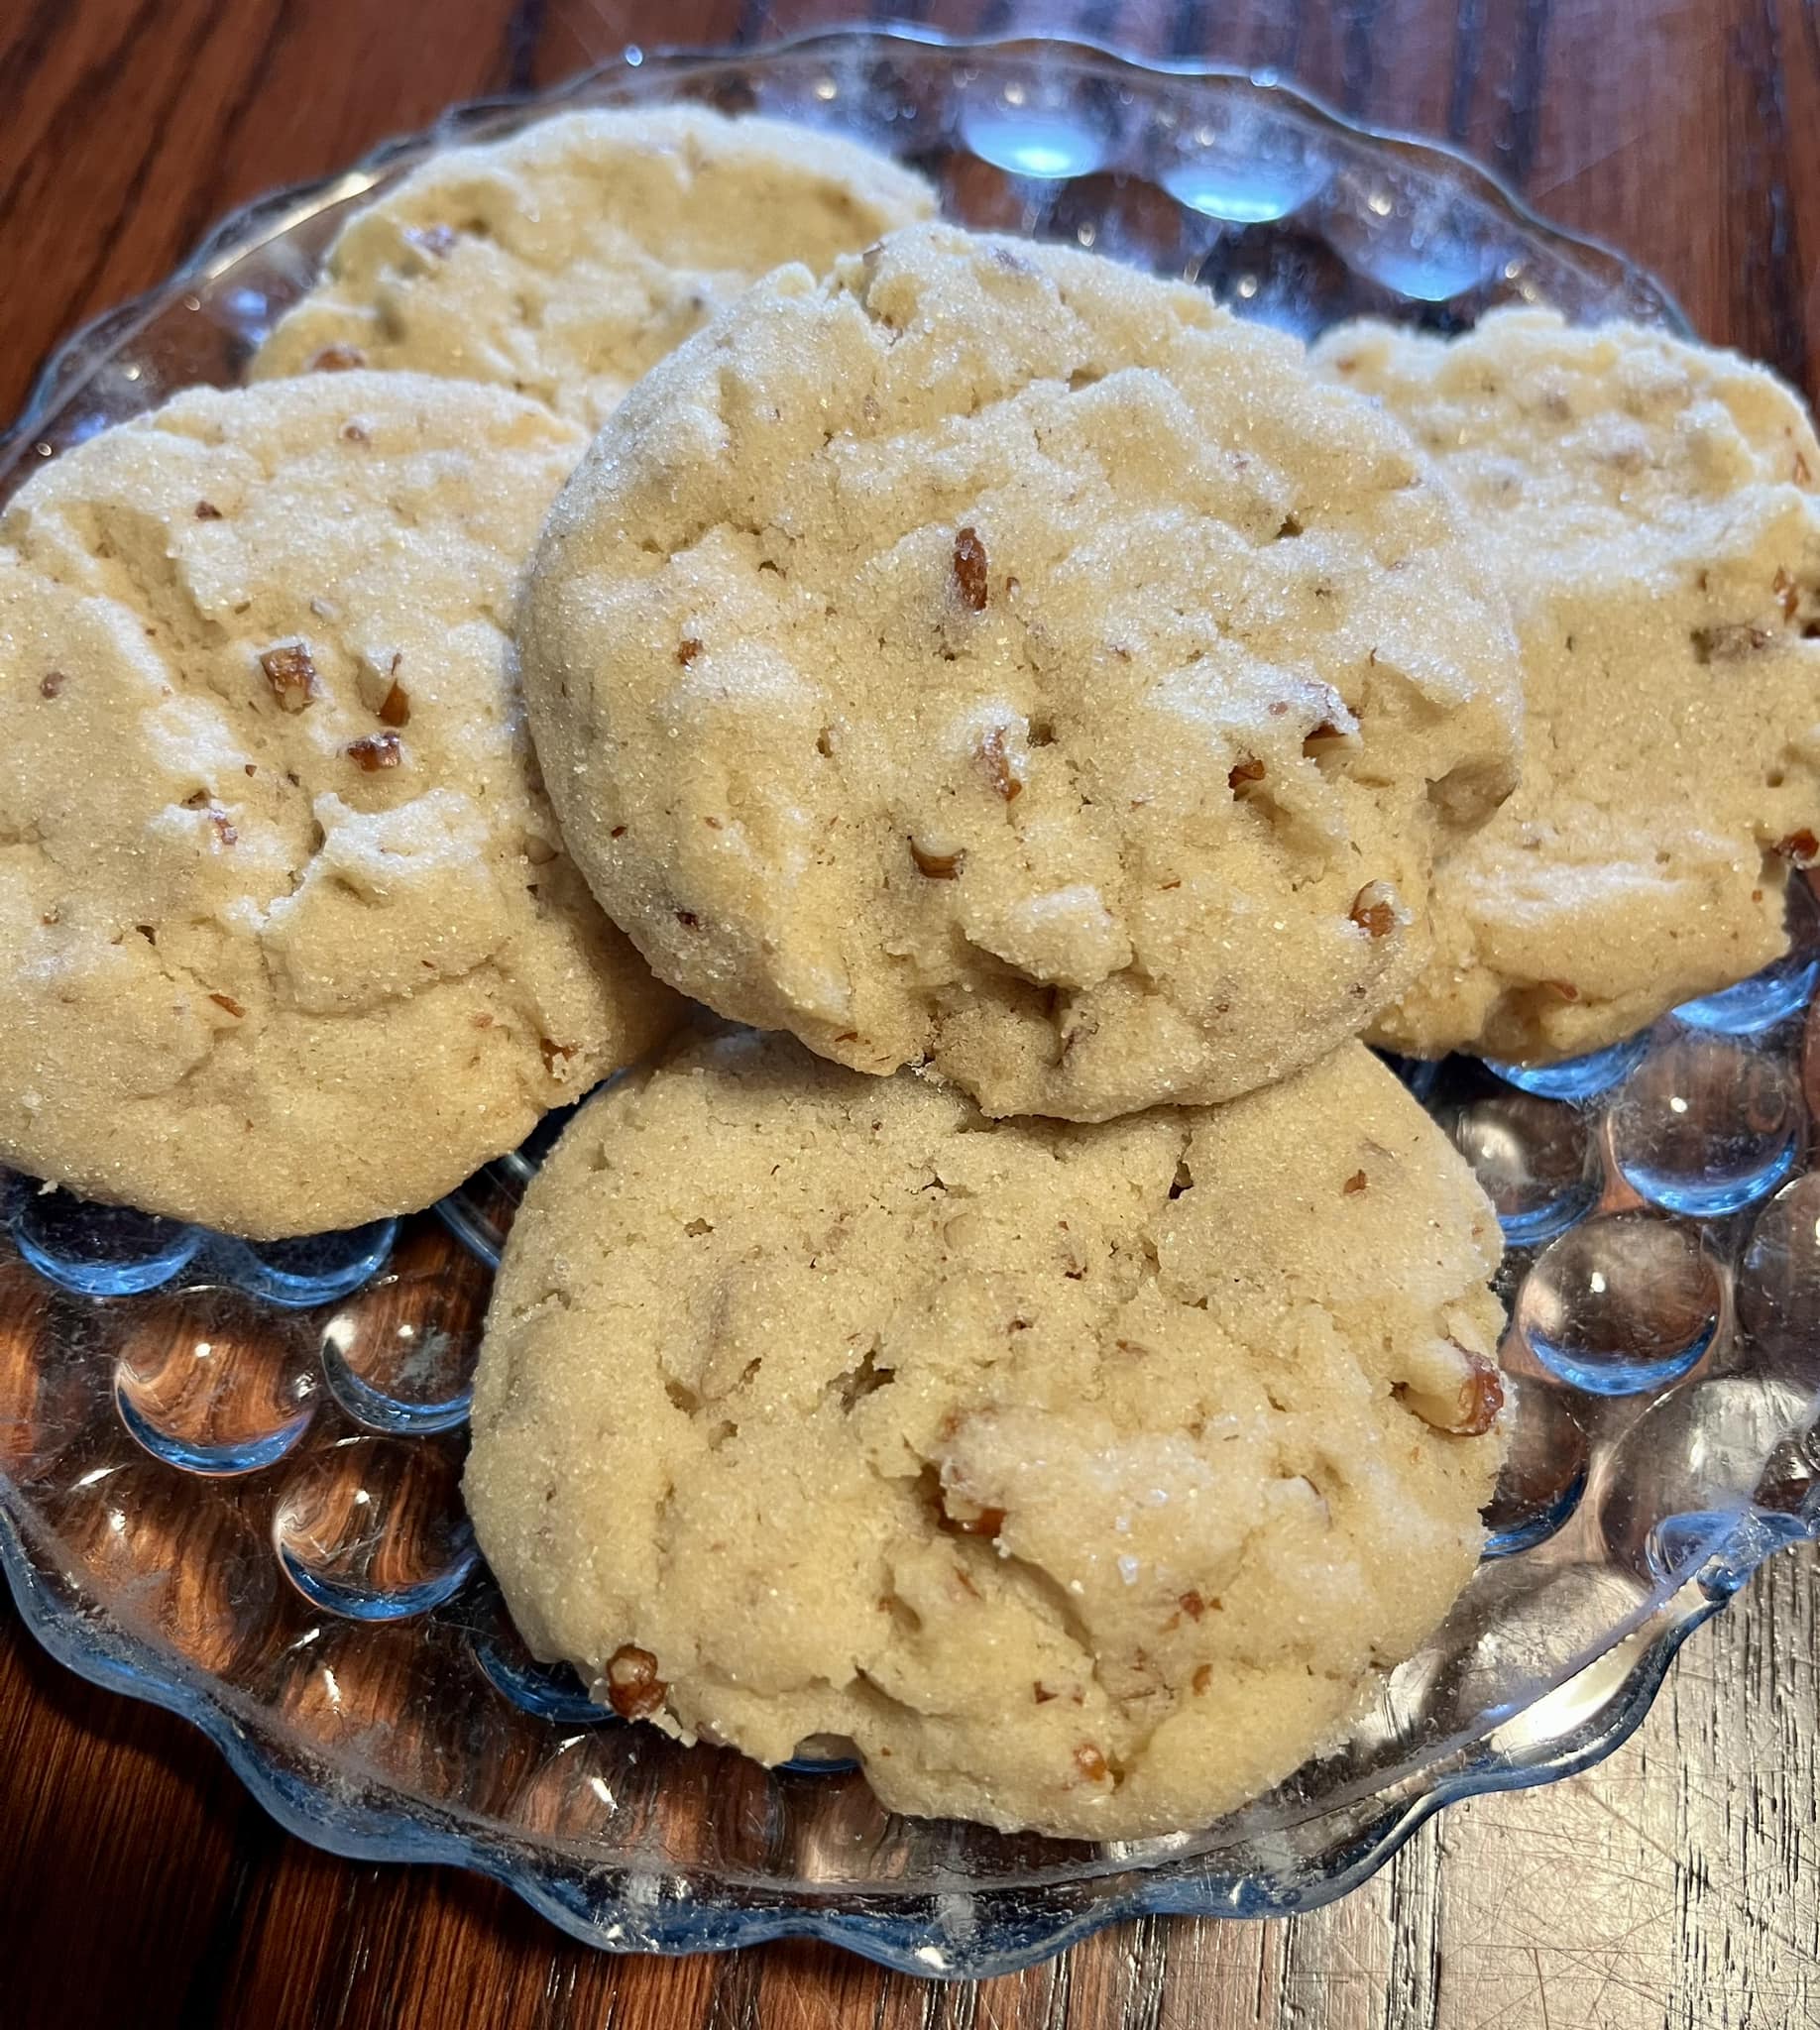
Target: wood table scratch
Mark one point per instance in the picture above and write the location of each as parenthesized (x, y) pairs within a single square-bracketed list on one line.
[(1675, 1885)]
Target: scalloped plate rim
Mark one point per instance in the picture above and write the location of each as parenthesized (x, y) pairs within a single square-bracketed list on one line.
[(117, 322), (124, 1664)]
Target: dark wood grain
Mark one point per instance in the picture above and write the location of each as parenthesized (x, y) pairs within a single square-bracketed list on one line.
[(1677, 1883)]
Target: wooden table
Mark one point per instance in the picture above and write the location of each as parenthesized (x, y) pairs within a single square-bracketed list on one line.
[(1678, 1884)]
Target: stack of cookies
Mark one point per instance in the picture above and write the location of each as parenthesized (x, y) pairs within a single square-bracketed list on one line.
[(1040, 1346)]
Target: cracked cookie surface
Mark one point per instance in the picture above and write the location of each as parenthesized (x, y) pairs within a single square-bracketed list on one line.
[(566, 260), (997, 659), (1652, 509), (289, 937), (1080, 1477)]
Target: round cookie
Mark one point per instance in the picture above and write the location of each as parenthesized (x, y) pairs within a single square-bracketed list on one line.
[(1080, 1477), (1653, 508), (995, 659), (566, 260), (288, 936)]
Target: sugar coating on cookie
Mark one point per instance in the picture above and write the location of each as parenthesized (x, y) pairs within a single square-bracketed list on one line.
[(566, 260), (1652, 509), (996, 659), (288, 936), (1080, 1477)]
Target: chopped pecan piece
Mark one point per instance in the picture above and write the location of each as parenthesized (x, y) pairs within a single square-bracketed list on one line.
[(1800, 849), (206, 511), (1244, 772), (1191, 1603), (226, 832), (938, 867), (554, 1054), (986, 1523), (52, 684), (1467, 1412), (1005, 781), (1322, 740), (374, 751), (687, 649), (970, 569), (228, 1002), (339, 358), (1090, 1763), (292, 675), (1374, 909), (1354, 1185), (394, 707), (633, 1688)]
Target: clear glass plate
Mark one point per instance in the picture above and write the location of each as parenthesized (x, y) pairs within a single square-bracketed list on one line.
[(229, 1474)]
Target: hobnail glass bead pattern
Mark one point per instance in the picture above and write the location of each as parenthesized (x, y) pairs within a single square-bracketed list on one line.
[(230, 1474)]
